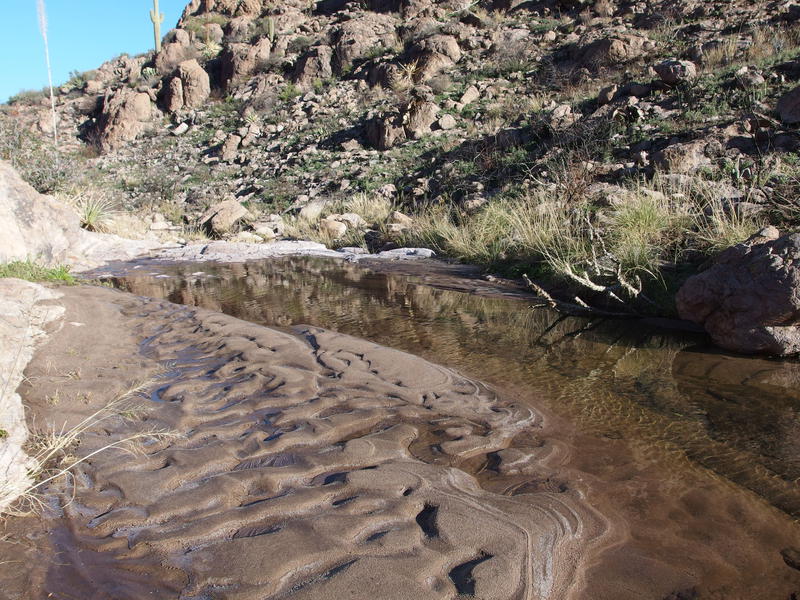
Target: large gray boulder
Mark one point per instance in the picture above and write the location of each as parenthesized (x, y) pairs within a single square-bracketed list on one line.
[(39, 227), (196, 85), (749, 300)]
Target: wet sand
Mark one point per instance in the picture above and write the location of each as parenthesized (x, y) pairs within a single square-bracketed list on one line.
[(310, 464)]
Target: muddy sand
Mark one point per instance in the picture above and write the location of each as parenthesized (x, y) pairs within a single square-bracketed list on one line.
[(310, 464)]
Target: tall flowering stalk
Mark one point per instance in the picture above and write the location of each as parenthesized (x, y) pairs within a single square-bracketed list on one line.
[(43, 28)]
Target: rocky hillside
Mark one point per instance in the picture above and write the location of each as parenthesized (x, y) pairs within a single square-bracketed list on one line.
[(611, 146)]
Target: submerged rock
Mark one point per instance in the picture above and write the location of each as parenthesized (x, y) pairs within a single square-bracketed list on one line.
[(749, 301)]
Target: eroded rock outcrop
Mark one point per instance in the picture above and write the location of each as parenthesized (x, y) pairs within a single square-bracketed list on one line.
[(189, 88), (124, 117), (749, 301), (39, 227)]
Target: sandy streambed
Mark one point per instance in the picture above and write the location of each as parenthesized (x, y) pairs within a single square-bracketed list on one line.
[(310, 465), (304, 463)]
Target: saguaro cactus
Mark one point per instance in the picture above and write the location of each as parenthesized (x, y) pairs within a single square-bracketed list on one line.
[(271, 30), (157, 18)]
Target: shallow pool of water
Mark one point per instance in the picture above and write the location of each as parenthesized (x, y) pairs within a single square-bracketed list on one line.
[(670, 397)]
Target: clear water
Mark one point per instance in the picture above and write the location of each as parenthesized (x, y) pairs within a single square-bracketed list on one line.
[(673, 399)]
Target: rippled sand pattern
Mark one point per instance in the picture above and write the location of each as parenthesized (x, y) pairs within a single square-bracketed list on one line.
[(318, 465)]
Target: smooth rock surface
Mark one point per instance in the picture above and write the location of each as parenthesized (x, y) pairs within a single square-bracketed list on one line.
[(22, 323)]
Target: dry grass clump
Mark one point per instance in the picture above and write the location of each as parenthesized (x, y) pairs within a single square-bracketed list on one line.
[(616, 250), (301, 229), (373, 209), (722, 226), (721, 54), (53, 452)]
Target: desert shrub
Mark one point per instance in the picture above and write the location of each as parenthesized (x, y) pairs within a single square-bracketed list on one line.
[(46, 168), (29, 96)]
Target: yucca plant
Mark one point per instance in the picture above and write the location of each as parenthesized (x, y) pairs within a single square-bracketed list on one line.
[(95, 211)]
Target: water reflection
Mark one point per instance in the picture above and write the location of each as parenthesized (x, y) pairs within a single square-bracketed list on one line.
[(662, 392)]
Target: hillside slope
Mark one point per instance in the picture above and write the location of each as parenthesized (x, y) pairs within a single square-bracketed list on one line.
[(588, 144)]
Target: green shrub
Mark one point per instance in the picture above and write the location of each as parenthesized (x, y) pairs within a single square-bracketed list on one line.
[(33, 271)]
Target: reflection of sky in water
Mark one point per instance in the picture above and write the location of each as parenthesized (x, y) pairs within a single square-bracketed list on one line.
[(662, 392)]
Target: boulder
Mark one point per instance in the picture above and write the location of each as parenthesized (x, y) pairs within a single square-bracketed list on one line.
[(231, 8), (447, 122), (239, 61), (749, 300), (223, 217), (333, 228), (385, 131), (429, 64), (313, 65), (789, 107), (445, 45), (196, 83), (469, 96), (419, 117), (39, 227), (230, 148), (607, 95), (270, 227), (684, 157), (673, 72), (125, 115), (173, 101), (353, 39), (172, 54), (613, 50)]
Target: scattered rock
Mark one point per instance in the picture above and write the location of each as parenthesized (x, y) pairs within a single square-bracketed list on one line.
[(447, 122)]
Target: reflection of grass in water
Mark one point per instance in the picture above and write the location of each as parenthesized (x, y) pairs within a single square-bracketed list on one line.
[(604, 376)]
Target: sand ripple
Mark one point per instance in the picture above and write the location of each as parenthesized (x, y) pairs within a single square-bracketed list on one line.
[(317, 465)]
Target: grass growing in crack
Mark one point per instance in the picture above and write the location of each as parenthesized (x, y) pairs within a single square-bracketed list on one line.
[(33, 271)]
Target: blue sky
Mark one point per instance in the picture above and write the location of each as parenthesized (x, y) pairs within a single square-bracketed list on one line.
[(83, 34)]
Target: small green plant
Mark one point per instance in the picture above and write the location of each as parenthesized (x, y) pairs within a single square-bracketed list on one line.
[(210, 49), (289, 92), (33, 271), (3, 434)]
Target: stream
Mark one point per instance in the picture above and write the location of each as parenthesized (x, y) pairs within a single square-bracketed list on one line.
[(673, 437)]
